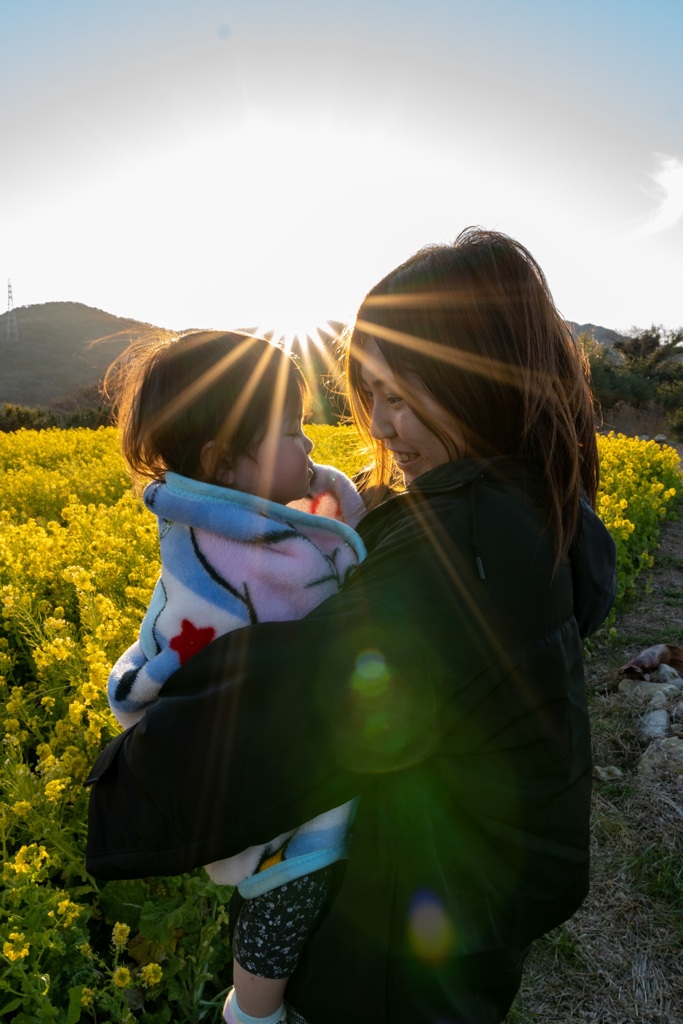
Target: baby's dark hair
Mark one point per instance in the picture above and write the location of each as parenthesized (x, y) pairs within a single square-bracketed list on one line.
[(174, 396)]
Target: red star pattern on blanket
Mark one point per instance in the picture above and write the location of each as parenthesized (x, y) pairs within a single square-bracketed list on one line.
[(326, 504), (191, 639)]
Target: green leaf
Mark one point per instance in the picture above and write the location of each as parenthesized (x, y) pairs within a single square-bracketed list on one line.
[(73, 1014), (160, 919), (8, 1007), (123, 901)]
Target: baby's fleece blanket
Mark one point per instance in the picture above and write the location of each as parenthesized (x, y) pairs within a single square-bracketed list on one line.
[(229, 559)]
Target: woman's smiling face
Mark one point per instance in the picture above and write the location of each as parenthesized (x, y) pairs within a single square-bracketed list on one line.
[(393, 422)]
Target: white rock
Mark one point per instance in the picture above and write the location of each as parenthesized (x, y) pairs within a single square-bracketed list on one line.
[(667, 752), (666, 674), (654, 724), (677, 712), (636, 688), (609, 771)]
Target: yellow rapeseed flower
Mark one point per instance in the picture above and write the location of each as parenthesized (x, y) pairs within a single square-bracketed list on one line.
[(87, 997), (121, 977), (151, 974), (17, 948), (29, 859), (68, 912), (55, 787), (120, 935)]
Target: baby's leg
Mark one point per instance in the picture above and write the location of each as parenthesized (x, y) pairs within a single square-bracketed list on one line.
[(271, 932), (256, 997)]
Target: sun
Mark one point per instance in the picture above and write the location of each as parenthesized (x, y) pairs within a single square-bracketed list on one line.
[(296, 336), (312, 342), (298, 322), (315, 347)]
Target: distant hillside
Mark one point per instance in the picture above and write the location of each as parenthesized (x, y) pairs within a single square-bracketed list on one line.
[(55, 359), (603, 335), (60, 357)]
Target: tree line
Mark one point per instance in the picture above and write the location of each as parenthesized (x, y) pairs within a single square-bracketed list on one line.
[(643, 370)]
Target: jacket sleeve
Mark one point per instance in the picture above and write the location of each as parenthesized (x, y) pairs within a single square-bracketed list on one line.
[(274, 724), (594, 570), (268, 726)]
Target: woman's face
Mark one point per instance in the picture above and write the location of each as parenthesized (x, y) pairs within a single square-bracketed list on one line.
[(415, 448)]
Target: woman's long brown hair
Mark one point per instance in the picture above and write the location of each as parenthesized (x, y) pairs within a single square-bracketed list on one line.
[(476, 323)]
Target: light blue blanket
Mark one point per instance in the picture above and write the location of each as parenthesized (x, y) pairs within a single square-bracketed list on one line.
[(229, 559)]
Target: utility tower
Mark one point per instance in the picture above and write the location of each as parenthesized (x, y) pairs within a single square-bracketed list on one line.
[(12, 328)]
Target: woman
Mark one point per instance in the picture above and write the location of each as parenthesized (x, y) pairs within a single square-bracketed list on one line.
[(444, 684)]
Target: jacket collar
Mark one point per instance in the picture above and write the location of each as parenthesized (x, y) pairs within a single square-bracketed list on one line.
[(452, 475)]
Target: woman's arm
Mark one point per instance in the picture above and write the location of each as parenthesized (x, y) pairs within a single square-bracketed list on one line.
[(273, 724), (266, 727), (593, 562)]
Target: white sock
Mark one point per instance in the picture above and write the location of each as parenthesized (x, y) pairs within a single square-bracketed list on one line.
[(233, 1014)]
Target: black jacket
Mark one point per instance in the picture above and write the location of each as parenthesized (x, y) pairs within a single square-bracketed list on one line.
[(444, 685)]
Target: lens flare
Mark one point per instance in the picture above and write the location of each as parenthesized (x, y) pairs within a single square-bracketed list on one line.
[(371, 677), (430, 931)]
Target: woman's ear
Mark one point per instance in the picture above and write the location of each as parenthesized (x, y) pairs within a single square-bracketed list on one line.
[(216, 465)]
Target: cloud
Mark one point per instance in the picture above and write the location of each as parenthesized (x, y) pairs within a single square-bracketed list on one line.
[(669, 193)]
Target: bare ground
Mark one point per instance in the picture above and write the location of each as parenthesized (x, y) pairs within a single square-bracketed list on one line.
[(620, 959)]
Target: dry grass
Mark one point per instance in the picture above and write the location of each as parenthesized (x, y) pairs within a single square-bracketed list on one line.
[(620, 959), (628, 420)]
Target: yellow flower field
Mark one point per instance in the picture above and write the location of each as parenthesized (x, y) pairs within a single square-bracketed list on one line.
[(78, 561), (640, 481)]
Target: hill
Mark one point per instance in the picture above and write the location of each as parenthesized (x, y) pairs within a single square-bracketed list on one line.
[(64, 349), (603, 335)]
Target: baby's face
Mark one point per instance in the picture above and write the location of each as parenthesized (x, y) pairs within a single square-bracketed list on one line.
[(278, 467)]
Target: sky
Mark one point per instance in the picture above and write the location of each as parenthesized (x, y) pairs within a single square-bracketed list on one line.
[(231, 163)]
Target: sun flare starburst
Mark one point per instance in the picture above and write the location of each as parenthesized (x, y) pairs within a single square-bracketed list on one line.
[(314, 346), (299, 337)]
